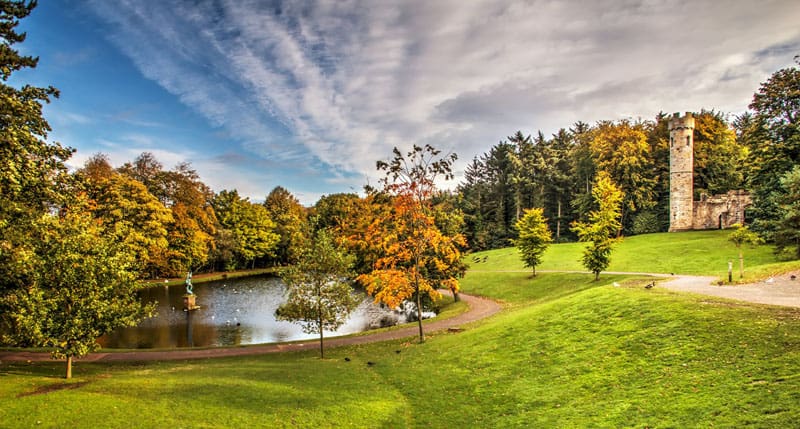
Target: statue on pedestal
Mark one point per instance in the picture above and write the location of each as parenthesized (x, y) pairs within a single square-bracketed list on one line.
[(188, 282)]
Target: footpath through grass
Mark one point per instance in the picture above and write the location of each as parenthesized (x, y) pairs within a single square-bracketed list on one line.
[(567, 352), (693, 252)]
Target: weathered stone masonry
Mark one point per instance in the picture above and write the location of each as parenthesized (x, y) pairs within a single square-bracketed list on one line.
[(717, 211)]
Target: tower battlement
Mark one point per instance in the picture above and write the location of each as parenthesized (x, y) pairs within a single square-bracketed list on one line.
[(681, 122)]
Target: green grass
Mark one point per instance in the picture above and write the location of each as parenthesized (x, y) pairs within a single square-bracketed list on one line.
[(695, 252), (568, 352), (519, 288), (565, 352)]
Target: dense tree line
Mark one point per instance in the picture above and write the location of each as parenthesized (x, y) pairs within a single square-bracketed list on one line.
[(556, 174)]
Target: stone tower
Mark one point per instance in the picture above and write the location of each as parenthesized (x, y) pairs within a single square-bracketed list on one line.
[(681, 171)]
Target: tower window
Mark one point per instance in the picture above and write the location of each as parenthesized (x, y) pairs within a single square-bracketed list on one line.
[(688, 140)]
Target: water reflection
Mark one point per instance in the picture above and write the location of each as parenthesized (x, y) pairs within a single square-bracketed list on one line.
[(232, 312)]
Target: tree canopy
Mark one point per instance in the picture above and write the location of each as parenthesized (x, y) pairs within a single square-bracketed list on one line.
[(534, 237)]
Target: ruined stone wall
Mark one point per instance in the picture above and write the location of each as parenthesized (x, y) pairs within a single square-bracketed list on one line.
[(681, 172), (721, 211)]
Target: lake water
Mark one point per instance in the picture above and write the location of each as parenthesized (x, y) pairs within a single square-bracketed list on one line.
[(232, 312)]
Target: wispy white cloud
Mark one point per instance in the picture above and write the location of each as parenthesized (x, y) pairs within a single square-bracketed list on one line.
[(337, 84)]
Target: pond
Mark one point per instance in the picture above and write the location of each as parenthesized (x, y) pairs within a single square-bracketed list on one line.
[(232, 312)]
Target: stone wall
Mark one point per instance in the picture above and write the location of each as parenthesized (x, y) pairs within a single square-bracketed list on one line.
[(720, 211)]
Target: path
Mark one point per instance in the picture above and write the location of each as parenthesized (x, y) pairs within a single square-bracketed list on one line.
[(479, 308), (779, 290)]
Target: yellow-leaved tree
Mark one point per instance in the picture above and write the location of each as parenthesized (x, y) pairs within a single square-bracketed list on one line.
[(414, 257)]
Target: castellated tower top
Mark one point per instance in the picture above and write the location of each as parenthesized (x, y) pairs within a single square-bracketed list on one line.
[(677, 122)]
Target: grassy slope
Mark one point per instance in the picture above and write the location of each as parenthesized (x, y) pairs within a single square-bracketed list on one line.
[(567, 352), (695, 252)]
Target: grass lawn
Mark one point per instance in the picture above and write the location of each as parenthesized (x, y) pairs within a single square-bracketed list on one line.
[(566, 352), (693, 252)]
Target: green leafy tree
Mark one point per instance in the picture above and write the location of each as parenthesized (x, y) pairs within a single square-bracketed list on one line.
[(290, 224), (718, 157), (249, 228), (33, 176), (534, 237), (740, 236), (319, 295), (82, 286), (787, 233), (603, 223), (772, 134)]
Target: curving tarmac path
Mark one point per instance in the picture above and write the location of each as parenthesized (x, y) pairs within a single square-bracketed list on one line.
[(779, 290), (479, 308)]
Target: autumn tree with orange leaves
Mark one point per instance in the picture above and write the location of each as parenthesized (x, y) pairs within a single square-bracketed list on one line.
[(415, 257)]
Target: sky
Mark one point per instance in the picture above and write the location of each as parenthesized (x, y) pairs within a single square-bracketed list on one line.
[(308, 95)]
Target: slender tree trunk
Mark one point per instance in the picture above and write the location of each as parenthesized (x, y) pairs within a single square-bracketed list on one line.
[(419, 316), (321, 342), (741, 264), (558, 223), (419, 302), (319, 322), (69, 367)]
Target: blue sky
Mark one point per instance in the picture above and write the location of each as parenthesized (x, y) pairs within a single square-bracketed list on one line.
[(309, 94)]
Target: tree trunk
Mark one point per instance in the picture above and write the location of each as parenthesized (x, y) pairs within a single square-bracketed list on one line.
[(419, 300), (419, 317), (69, 367), (558, 223), (534, 271), (319, 322), (596, 275), (321, 347), (741, 264)]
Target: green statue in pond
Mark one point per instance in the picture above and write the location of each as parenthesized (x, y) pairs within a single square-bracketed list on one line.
[(188, 283)]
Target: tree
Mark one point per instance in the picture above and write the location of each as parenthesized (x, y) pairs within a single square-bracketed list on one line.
[(290, 224), (718, 157), (319, 293), (534, 237), (82, 286), (601, 229), (249, 229), (772, 134), (129, 213), (742, 235), (787, 234), (33, 174), (416, 257), (621, 150), (191, 235)]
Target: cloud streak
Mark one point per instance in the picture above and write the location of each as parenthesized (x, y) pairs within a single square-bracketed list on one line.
[(336, 84)]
